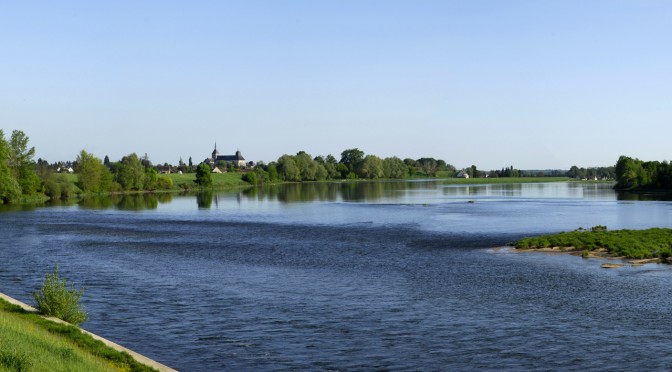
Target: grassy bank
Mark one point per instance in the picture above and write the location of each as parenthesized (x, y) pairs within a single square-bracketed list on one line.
[(650, 243), (29, 342), (219, 180)]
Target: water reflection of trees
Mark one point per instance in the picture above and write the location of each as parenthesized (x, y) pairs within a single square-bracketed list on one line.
[(662, 196), (204, 199), (132, 202), (334, 191), (503, 189)]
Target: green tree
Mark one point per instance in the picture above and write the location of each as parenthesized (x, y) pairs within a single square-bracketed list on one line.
[(372, 167), (9, 187), (130, 173), (22, 164), (353, 159), (272, 172), (428, 165), (94, 176), (203, 176), (288, 170), (394, 168), (151, 179)]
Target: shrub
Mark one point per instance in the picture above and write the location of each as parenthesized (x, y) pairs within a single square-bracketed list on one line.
[(55, 299), (250, 177), (165, 183)]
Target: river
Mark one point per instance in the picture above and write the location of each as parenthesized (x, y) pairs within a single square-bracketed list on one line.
[(361, 276)]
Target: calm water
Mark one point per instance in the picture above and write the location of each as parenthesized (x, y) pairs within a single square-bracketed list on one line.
[(377, 276)]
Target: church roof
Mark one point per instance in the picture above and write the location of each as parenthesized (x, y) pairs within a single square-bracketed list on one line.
[(236, 157)]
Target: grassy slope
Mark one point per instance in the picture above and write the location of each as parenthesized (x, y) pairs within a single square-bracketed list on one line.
[(650, 243), (29, 342), (219, 180)]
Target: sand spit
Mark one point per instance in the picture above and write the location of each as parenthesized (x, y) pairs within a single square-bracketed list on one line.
[(600, 253)]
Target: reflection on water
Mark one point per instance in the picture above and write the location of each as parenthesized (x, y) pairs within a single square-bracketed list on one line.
[(407, 192), (204, 199), (130, 202)]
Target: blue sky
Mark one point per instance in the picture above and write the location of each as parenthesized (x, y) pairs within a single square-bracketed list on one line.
[(533, 84)]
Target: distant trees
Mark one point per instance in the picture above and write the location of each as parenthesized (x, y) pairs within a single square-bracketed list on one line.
[(354, 164), (591, 173)]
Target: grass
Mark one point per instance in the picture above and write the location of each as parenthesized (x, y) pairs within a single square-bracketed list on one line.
[(29, 342), (492, 180), (649, 243), (219, 180)]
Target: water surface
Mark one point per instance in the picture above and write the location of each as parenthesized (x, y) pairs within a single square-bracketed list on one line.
[(392, 275)]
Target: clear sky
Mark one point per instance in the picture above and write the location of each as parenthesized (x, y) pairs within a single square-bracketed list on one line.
[(533, 84)]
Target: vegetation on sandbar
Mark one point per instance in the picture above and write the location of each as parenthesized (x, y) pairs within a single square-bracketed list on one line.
[(637, 244)]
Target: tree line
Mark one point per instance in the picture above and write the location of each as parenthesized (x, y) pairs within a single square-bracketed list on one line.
[(635, 174), (22, 177), (353, 164)]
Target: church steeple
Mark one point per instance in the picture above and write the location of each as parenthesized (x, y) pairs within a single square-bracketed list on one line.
[(215, 153)]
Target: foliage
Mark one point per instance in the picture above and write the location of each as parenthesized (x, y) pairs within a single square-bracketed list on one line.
[(287, 169), (250, 177), (60, 187), (94, 176), (203, 175), (591, 173), (151, 179), (10, 189), (634, 174), (353, 159), (130, 173), (164, 183), (394, 168), (22, 164), (55, 299), (650, 243), (372, 167)]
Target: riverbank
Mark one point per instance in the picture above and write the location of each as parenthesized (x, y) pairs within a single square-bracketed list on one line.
[(29, 341)]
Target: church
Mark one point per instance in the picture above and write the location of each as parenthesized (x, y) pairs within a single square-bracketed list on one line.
[(237, 160)]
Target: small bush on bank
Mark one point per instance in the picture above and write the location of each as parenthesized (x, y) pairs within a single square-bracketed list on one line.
[(55, 299)]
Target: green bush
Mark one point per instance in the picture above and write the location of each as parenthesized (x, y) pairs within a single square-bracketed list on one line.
[(165, 183), (55, 299), (250, 177)]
